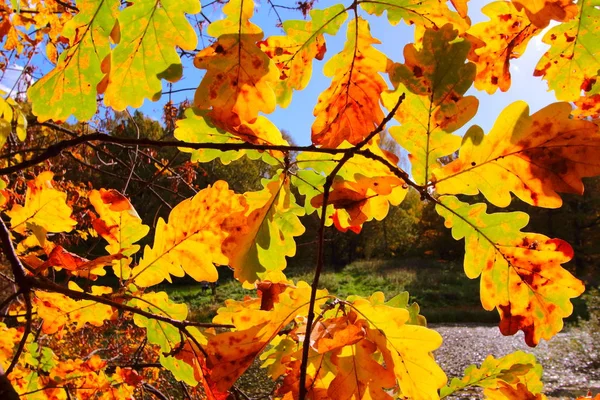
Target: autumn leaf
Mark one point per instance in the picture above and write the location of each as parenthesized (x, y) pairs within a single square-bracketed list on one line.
[(150, 31), (231, 353), (541, 12), (521, 273), (434, 80), (77, 265), (71, 86), (574, 55), (12, 119), (364, 348), (359, 184), (513, 369), (533, 156), (57, 310), (191, 241), (158, 332), (587, 106), (363, 200), (239, 76), (349, 109), (497, 41), (422, 13), (197, 127), (303, 42), (461, 7), (404, 346), (44, 206), (359, 375), (261, 237), (120, 225)]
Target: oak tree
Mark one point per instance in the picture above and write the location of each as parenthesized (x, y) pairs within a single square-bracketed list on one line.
[(112, 55)]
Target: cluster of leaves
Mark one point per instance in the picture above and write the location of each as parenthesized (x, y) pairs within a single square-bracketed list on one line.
[(313, 344)]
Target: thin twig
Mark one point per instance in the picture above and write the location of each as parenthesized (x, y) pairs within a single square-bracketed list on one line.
[(321, 236)]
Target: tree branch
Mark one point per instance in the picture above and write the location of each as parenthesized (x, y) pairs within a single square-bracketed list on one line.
[(55, 149)]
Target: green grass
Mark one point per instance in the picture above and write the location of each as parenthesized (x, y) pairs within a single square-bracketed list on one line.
[(440, 288)]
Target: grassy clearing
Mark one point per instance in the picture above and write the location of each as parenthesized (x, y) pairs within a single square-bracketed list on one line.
[(440, 288)]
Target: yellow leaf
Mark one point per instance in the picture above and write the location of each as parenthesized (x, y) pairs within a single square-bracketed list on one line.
[(304, 41), (147, 50), (434, 80), (541, 12), (44, 206), (573, 59), (532, 156), (261, 237), (57, 310), (71, 86), (120, 225), (521, 273), (192, 239), (497, 41)]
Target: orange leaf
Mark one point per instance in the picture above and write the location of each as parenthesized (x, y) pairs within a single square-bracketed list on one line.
[(239, 76), (61, 258), (349, 109), (541, 12)]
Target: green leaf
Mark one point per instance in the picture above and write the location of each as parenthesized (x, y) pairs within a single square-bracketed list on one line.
[(150, 32), (573, 59), (514, 369), (70, 88), (434, 80), (160, 333), (263, 235), (197, 127)]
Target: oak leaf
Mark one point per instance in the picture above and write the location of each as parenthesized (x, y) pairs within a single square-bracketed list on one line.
[(434, 80), (57, 310), (231, 353), (303, 42), (513, 369), (120, 225), (541, 12), (574, 56), (422, 13), (77, 265), (239, 76), (150, 31), (191, 241), (521, 273), (158, 332), (357, 182), (71, 86), (12, 119), (262, 236), (497, 41), (533, 157), (349, 109), (44, 206)]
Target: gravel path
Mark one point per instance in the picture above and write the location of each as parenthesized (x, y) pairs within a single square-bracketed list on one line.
[(567, 359)]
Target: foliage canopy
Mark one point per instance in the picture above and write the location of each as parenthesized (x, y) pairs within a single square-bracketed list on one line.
[(115, 55)]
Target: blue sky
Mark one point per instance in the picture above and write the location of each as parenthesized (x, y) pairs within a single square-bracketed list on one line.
[(298, 117)]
